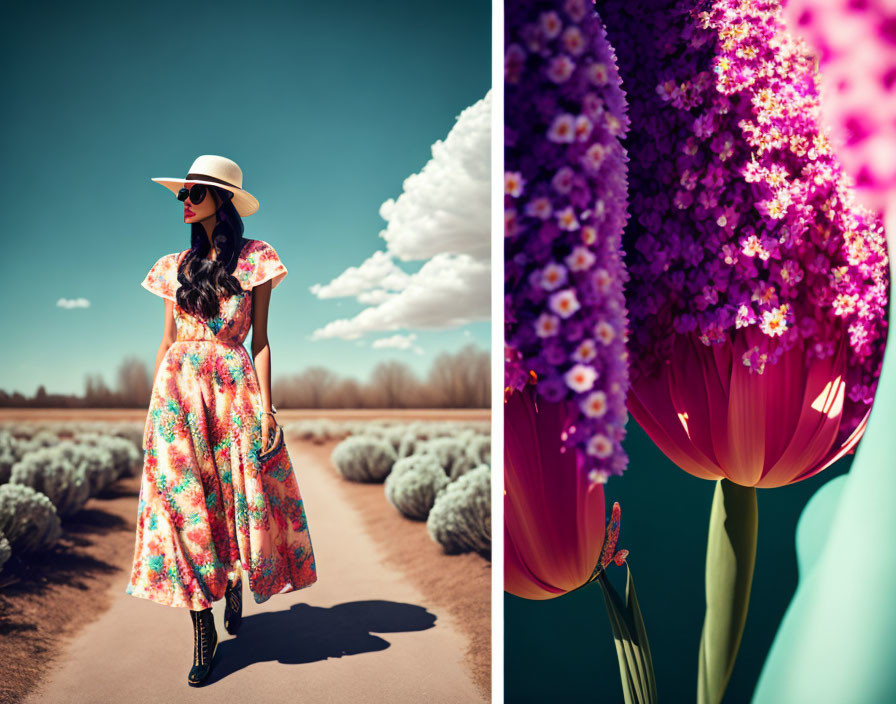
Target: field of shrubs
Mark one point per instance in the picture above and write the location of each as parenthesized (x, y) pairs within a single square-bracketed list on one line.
[(433, 471), (48, 471)]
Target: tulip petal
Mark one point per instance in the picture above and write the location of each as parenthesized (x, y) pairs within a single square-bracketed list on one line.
[(554, 520), (699, 380), (811, 443), (671, 425), (849, 445)]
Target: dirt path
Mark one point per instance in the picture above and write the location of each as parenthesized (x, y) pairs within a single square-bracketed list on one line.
[(365, 632), (459, 583), (50, 596)]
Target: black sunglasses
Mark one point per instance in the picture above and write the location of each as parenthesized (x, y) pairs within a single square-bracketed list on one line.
[(196, 193)]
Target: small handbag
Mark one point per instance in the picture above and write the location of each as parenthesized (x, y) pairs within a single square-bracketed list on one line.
[(267, 458), (281, 485)]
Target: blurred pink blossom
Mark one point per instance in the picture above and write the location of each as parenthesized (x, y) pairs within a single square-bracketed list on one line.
[(855, 43)]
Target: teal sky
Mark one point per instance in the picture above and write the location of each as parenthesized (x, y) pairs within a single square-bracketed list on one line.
[(326, 107)]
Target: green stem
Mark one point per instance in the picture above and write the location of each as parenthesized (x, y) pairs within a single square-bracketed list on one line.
[(730, 558), (632, 648)]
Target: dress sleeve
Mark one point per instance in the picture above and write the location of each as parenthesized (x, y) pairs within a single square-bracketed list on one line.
[(267, 266), (162, 277)]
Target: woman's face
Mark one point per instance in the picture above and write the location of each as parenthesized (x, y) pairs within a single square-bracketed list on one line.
[(197, 212)]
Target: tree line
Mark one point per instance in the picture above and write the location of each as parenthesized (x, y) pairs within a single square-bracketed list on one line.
[(460, 379)]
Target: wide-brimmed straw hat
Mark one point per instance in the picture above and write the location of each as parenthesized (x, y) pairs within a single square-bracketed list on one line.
[(218, 171)]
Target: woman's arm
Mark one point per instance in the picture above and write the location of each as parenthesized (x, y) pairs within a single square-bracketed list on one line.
[(261, 353), (169, 335)]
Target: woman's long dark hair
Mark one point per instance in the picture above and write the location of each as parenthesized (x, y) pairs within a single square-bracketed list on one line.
[(204, 282)]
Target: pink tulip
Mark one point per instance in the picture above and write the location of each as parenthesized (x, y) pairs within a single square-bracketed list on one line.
[(554, 526), (716, 419)]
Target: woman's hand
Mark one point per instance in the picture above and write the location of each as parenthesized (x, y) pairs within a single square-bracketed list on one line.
[(268, 425)]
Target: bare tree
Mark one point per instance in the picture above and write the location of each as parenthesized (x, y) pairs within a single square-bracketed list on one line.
[(96, 393), (307, 389), (134, 383), (346, 393), (462, 379), (393, 384)]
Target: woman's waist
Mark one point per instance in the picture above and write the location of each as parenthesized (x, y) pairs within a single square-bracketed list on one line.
[(208, 340)]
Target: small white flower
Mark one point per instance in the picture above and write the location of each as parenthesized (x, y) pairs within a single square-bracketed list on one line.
[(564, 303), (580, 258), (547, 325), (595, 404), (595, 155), (598, 74), (560, 68), (550, 24), (562, 180), (600, 446), (580, 377), (589, 234), (567, 219), (573, 40), (602, 280), (614, 126), (583, 127), (513, 183), (539, 208), (585, 352), (553, 276), (604, 332), (562, 129)]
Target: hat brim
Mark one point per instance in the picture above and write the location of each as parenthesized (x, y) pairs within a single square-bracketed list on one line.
[(244, 202)]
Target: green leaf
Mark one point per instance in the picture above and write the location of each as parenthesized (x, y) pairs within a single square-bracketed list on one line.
[(632, 648), (730, 558)]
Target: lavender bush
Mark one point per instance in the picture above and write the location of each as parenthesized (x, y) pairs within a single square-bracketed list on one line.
[(414, 483), (49, 471), (460, 518), (28, 518), (364, 458)]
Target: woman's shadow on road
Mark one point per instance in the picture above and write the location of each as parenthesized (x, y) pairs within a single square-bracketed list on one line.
[(308, 633)]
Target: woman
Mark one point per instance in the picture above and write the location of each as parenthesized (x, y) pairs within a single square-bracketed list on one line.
[(208, 510)]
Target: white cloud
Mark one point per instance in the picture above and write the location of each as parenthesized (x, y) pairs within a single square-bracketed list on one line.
[(378, 271), (375, 296), (73, 303), (442, 216), (445, 207), (449, 290), (400, 342)]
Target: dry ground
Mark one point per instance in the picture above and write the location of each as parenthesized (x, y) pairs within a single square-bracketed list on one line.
[(52, 598)]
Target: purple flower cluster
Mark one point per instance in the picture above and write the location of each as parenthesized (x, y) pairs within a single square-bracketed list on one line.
[(742, 215), (565, 209)]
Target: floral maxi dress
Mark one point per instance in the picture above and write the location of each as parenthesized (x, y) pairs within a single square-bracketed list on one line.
[(207, 510)]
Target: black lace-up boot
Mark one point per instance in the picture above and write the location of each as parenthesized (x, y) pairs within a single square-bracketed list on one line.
[(205, 643), (233, 607)]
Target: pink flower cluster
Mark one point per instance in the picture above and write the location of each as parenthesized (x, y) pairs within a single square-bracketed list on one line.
[(565, 210), (742, 215)]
